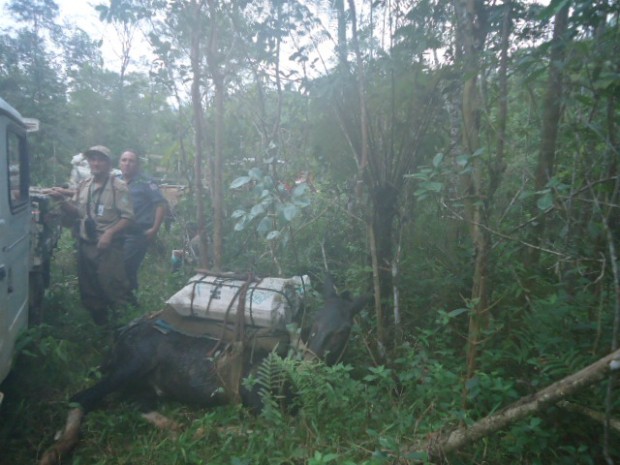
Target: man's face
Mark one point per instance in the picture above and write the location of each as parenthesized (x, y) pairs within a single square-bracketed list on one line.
[(99, 165), (129, 164)]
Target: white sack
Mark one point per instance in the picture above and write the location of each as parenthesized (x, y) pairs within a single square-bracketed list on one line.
[(270, 303)]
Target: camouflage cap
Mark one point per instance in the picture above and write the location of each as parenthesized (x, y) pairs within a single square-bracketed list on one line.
[(99, 150)]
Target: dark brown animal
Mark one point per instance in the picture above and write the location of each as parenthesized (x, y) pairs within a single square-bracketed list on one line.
[(177, 366)]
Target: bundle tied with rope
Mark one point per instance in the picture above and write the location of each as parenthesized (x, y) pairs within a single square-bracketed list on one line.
[(265, 308)]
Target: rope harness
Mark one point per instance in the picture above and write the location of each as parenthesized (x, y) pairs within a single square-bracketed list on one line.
[(237, 338)]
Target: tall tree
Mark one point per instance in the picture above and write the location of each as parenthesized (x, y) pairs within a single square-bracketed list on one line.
[(385, 106), (551, 118), (482, 178), (195, 17), (471, 16)]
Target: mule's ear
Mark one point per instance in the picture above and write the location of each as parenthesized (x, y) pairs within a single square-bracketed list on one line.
[(329, 290), (359, 303)]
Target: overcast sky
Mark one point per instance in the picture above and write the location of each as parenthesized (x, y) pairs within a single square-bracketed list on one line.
[(82, 14)]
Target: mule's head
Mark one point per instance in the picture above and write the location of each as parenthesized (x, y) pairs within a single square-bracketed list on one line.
[(332, 324)]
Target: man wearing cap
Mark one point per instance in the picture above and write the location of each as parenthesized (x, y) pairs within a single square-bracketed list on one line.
[(103, 208), (149, 207)]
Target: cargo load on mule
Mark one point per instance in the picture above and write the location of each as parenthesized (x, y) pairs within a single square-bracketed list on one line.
[(243, 316), (258, 312)]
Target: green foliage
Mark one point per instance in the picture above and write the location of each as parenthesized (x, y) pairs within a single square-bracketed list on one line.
[(275, 204), (427, 179), (547, 318), (346, 414), (272, 378)]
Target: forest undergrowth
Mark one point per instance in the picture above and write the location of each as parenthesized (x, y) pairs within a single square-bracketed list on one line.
[(356, 412)]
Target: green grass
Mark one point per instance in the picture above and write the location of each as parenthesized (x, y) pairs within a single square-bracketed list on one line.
[(340, 421), (348, 414)]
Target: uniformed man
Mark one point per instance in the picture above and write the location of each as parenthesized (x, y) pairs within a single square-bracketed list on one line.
[(150, 209), (102, 206)]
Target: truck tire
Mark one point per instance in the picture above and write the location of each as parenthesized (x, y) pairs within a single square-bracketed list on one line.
[(36, 291)]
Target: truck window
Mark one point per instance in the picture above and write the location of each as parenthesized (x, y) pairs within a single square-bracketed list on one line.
[(18, 170)]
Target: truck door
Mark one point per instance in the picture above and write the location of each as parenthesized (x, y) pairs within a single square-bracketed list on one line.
[(14, 234)]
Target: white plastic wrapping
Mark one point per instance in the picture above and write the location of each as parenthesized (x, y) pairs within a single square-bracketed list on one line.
[(270, 303)]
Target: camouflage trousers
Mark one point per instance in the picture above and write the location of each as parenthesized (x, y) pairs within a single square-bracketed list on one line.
[(102, 280)]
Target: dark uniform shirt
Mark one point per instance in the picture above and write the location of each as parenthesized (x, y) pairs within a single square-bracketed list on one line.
[(145, 197)]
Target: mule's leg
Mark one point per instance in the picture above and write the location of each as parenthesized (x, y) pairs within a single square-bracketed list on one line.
[(128, 371), (162, 422), (147, 402), (68, 439)]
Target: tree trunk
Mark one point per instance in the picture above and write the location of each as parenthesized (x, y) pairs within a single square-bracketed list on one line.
[(363, 178), (479, 212), (217, 193), (195, 60), (384, 201), (473, 32), (550, 123)]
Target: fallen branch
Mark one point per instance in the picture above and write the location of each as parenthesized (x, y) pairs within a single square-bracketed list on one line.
[(440, 444), (588, 412)]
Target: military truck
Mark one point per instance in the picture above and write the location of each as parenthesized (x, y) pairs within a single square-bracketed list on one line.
[(29, 231)]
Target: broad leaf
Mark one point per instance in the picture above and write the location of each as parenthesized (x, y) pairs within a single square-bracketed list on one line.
[(255, 173), (300, 189), (240, 225), (437, 159), (545, 202), (302, 201), (264, 226), (462, 160), (290, 211), (273, 235), (240, 181), (433, 186), (258, 209), (457, 312)]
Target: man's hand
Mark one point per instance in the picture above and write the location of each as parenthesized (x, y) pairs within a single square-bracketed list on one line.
[(105, 240), (150, 234), (59, 193), (62, 196)]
